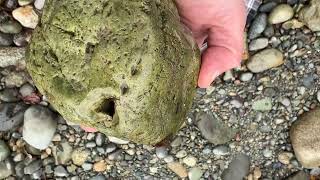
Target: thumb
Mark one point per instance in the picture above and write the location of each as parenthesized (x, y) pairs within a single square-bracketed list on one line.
[(225, 46)]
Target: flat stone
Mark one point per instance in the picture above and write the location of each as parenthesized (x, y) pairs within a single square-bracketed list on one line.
[(262, 104), (221, 150), (258, 44), (214, 130), (238, 168), (10, 27), (26, 16), (280, 14), (179, 169), (258, 25), (195, 173), (11, 115), (305, 135), (39, 126), (265, 60), (117, 140)]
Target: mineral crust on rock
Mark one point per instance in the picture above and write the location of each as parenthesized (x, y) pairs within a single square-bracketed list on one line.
[(127, 68)]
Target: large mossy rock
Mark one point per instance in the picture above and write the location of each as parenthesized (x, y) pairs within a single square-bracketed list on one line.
[(127, 68)]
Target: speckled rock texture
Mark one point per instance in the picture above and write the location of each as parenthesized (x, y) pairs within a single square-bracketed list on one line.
[(127, 68), (305, 136)]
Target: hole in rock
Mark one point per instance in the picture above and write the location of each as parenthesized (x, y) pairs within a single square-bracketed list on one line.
[(108, 107)]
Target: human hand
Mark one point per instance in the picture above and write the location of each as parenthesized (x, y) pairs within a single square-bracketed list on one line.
[(221, 23)]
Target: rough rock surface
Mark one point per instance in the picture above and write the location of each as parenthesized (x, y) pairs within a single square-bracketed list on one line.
[(305, 138), (114, 65), (310, 15)]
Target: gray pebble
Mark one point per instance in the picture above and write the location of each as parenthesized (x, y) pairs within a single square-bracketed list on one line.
[(267, 7), (258, 44), (110, 148), (161, 152), (100, 139), (9, 95), (32, 167), (169, 159), (22, 39), (269, 31), (98, 177), (60, 171), (267, 153), (238, 168), (246, 76), (221, 150), (91, 145), (87, 166), (10, 27), (318, 96), (26, 90), (258, 25), (115, 156), (11, 115), (6, 39), (4, 150)]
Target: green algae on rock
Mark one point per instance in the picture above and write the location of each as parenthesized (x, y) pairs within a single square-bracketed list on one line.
[(127, 68)]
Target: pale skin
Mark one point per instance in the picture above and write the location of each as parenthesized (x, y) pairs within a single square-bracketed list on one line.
[(219, 22)]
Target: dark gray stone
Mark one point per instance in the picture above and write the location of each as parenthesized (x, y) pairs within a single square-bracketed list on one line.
[(33, 167), (238, 168), (6, 39), (11, 115), (258, 25), (213, 130)]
